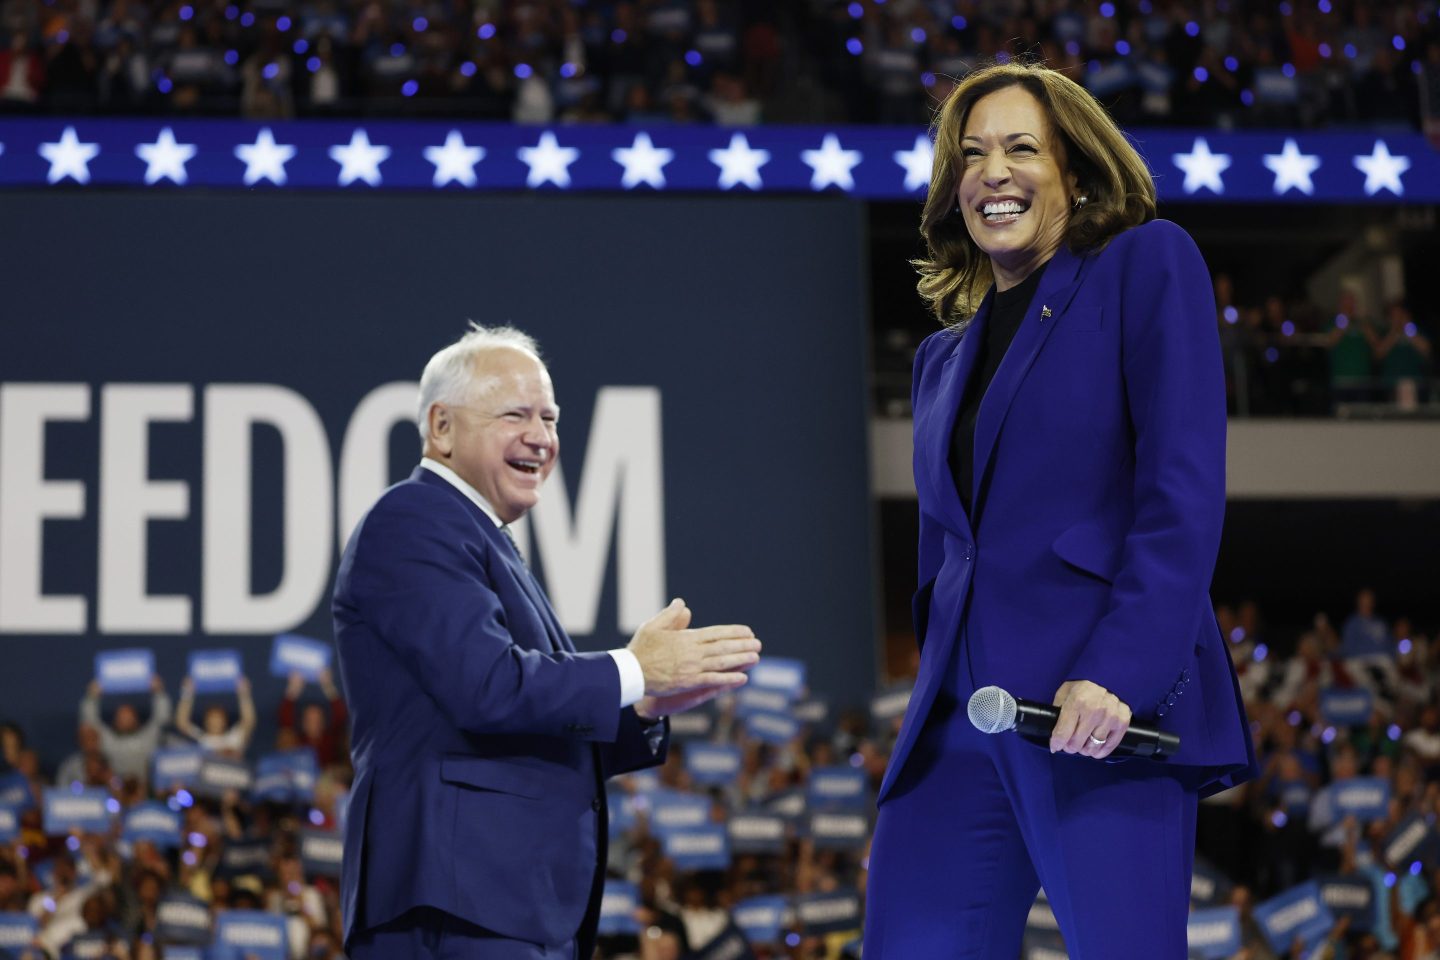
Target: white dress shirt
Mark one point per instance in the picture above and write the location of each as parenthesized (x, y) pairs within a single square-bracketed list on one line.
[(632, 678)]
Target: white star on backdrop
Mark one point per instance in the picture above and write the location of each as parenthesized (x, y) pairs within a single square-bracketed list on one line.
[(1202, 168), (739, 163), (1292, 168), (548, 161), (69, 157), (918, 162), (455, 160), (831, 164), (165, 159), (265, 159), (1382, 170), (359, 159), (643, 162)]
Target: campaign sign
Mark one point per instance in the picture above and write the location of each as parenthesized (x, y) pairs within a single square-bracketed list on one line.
[(9, 823), (15, 792), (215, 671), (88, 946), (757, 832), (187, 953), (292, 653), (839, 787), (1352, 897), (697, 848), (1364, 798), (320, 853), (778, 673), (759, 700), (154, 822), (712, 764), (1215, 933), (125, 671), (1298, 913), (219, 775), (819, 913), (1413, 840), (839, 830), (1207, 885), (86, 810), (811, 711), (173, 767), (672, 810), (775, 728), (729, 944), (1346, 708), (252, 932), (16, 930), (617, 909), (242, 857), (761, 919), (790, 804), (620, 807), (889, 704), (692, 725), (181, 918), (286, 777)]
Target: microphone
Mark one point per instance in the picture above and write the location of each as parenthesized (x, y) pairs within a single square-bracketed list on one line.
[(993, 710)]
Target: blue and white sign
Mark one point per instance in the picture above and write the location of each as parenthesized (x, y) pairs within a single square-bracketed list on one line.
[(712, 764), (90, 946), (215, 671), (758, 832), (1298, 913), (188, 953), (697, 848), (286, 777), (87, 810), (9, 823), (219, 775), (752, 699), (692, 725), (790, 804), (1208, 885), (617, 909), (293, 653), (1353, 897), (890, 704), (1214, 934), (729, 944), (819, 913), (182, 919), (781, 674), (321, 852), (622, 808), (173, 767), (17, 930), (15, 792), (252, 932), (152, 822), (839, 830), (839, 787), (774, 728), (672, 810), (1346, 708), (125, 671), (762, 919), (811, 711), (1364, 798), (241, 857), (1413, 840)]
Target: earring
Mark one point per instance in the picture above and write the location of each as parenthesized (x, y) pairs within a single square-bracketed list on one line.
[(1080, 201)]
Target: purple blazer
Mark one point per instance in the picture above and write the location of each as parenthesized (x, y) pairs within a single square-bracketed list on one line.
[(1100, 487), (481, 739)]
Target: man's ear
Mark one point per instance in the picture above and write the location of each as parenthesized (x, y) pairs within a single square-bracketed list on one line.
[(442, 429)]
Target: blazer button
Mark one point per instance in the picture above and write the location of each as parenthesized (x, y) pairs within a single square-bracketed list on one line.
[(1161, 710), (595, 804), (969, 551)]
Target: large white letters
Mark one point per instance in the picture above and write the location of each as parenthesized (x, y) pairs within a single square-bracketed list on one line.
[(365, 454)]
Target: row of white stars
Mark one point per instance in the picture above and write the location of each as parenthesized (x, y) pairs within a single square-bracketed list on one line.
[(1293, 170), (455, 161)]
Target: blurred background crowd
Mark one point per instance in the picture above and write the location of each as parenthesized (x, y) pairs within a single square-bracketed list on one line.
[(1226, 63), (102, 892)]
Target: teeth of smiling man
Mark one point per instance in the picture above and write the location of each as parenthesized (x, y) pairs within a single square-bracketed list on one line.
[(1003, 208), (528, 465)]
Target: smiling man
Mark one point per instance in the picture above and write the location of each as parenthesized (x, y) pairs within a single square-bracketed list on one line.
[(481, 739)]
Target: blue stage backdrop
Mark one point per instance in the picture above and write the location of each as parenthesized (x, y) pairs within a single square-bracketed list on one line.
[(201, 393)]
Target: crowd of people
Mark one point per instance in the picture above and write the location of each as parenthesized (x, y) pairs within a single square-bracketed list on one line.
[(1256, 841), (735, 62)]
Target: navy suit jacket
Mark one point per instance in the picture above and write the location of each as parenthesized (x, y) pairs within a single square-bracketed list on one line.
[(481, 739), (1100, 491)]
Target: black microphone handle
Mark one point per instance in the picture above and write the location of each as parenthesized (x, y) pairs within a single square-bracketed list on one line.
[(1036, 722)]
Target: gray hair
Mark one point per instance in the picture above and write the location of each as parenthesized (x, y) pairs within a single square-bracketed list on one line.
[(448, 377)]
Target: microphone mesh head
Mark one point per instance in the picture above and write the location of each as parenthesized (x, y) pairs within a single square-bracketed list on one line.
[(991, 710)]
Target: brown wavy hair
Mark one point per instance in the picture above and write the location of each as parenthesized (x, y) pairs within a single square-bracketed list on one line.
[(956, 273)]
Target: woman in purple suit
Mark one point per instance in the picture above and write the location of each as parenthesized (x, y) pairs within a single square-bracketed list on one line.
[(1069, 460)]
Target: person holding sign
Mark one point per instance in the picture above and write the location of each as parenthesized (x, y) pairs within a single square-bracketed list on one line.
[(481, 739), (1069, 463), (127, 742), (217, 734)]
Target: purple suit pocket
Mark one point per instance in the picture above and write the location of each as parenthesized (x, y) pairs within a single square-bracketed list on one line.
[(488, 773), (1091, 547)]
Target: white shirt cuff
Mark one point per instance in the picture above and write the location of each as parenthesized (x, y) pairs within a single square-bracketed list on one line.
[(632, 678)]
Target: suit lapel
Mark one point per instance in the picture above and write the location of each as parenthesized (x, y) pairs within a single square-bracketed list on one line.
[(1057, 288), (954, 374)]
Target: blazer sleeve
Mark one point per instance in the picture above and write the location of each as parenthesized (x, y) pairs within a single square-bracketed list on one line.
[(1175, 392), (930, 550), (636, 746), (427, 595)]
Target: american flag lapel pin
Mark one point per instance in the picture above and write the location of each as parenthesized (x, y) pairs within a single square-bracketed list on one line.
[(1044, 312)]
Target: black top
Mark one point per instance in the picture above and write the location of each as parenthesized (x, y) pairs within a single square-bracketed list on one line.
[(1006, 312)]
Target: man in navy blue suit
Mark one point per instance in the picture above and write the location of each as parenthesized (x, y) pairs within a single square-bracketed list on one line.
[(481, 738)]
